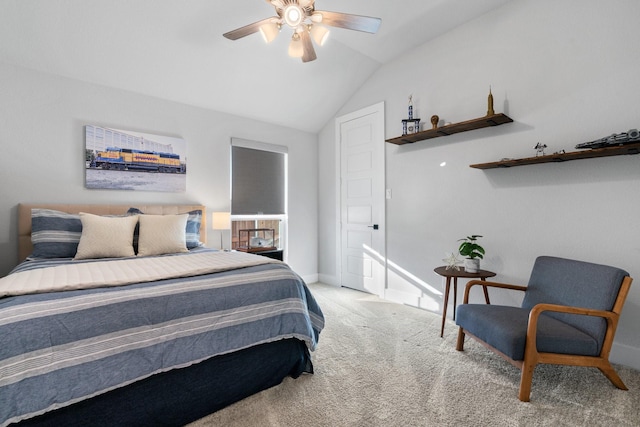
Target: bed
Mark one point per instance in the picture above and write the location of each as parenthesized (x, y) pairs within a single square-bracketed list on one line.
[(163, 337)]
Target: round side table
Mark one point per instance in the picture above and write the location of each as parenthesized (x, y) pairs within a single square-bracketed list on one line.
[(442, 271)]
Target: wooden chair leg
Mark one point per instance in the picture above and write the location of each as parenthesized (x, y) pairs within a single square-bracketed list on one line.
[(460, 342), (525, 381), (610, 373)]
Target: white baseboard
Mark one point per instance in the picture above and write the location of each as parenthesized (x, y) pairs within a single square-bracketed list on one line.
[(311, 278), (626, 355), (400, 297), (329, 280)]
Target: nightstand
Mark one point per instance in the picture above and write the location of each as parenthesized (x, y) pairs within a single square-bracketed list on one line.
[(275, 254)]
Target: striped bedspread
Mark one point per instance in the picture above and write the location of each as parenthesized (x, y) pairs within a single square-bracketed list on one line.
[(58, 348)]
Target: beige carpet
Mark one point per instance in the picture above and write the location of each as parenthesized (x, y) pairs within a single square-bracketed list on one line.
[(384, 364)]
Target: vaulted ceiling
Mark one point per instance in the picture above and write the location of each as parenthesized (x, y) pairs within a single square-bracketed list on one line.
[(174, 50)]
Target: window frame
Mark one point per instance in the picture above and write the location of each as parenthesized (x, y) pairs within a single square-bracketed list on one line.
[(283, 218)]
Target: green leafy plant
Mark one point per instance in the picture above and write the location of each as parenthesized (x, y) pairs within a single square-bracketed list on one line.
[(469, 248)]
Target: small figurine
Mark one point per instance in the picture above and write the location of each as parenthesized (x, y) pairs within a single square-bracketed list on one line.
[(411, 107), (434, 121), (452, 261), (615, 139), (540, 149), (490, 111)]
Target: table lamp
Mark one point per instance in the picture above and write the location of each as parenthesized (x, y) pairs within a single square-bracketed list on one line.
[(221, 221)]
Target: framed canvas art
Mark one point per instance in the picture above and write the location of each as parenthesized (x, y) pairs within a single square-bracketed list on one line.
[(125, 160)]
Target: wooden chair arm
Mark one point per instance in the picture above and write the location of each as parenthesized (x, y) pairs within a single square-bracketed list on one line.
[(471, 283), (538, 309)]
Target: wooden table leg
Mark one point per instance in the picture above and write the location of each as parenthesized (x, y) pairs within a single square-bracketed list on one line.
[(486, 293), (446, 302), (455, 296)]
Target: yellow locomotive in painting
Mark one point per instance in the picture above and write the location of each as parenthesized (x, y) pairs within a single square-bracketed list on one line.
[(140, 160)]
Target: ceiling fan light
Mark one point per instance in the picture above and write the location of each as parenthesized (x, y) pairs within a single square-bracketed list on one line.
[(316, 17), (319, 34), (296, 50), (293, 15), (269, 31)]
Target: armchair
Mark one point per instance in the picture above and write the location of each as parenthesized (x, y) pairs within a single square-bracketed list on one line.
[(568, 316)]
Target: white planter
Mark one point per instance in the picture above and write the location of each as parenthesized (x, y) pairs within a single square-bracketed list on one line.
[(472, 265)]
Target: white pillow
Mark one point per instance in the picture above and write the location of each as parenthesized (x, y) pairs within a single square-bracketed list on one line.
[(162, 234), (105, 236)]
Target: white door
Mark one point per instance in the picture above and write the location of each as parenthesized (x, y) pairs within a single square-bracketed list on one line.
[(360, 138)]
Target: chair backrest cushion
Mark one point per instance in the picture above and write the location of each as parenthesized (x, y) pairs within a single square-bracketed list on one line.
[(575, 283)]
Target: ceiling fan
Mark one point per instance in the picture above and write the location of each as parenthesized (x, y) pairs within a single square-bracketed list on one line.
[(306, 23)]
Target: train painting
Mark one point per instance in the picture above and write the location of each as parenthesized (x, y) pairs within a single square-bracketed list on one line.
[(126, 160)]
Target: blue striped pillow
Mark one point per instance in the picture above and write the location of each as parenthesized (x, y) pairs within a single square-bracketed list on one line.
[(192, 231), (54, 234)]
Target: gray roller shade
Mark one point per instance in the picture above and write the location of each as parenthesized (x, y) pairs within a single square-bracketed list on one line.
[(257, 182)]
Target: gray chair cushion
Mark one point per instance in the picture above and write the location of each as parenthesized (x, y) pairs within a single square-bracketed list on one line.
[(505, 328), (575, 283)]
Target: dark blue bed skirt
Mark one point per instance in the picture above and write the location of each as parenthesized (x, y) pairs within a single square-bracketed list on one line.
[(181, 396)]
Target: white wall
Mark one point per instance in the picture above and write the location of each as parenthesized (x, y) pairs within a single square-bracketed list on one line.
[(42, 120), (566, 72)]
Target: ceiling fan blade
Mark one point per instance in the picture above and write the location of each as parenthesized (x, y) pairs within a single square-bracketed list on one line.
[(246, 30), (367, 24), (276, 3), (309, 52)]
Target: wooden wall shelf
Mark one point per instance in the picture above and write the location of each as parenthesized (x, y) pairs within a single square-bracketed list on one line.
[(618, 150), (479, 123)]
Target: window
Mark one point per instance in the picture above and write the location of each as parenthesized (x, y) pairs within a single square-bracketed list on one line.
[(258, 189)]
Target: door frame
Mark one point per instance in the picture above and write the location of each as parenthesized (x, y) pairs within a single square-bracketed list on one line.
[(373, 109)]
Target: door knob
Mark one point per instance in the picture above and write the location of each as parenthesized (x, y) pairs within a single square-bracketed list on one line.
[(374, 226)]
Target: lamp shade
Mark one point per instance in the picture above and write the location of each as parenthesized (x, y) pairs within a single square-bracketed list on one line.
[(296, 50), (221, 220), (319, 34), (269, 31)]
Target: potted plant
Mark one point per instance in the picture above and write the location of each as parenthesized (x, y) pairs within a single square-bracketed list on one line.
[(473, 252)]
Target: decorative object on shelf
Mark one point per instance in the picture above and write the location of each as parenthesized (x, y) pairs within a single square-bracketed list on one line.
[(256, 240), (473, 252), (540, 149), (410, 126), (434, 121), (559, 152), (452, 261), (479, 123), (633, 135), (490, 111)]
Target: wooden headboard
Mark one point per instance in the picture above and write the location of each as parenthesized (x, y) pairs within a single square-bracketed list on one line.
[(24, 217)]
